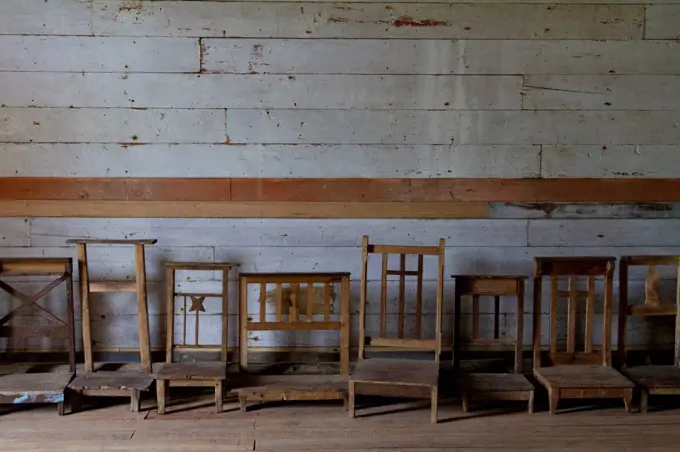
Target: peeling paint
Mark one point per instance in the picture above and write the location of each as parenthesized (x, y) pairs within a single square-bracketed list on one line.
[(408, 21)]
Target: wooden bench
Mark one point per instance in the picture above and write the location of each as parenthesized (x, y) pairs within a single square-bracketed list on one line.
[(291, 313), (18, 384), (193, 374), (510, 386), (399, 377), (98, 383), (572, 374), (651, 379)]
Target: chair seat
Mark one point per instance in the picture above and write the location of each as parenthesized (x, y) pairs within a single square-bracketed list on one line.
[(192, 371), (99, 381), (655, 377), (396, 371), (484, 382), (581, 376), (33, 387)]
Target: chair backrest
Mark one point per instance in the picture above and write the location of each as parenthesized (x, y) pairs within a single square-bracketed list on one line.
[(571, 268), (654, 303), (399, 340)]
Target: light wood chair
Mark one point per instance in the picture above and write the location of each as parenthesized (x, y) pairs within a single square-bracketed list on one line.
[(127, 382), (399, 377), (299, 302), (17, 384), (495, 386), (193, 374), (654, 379), (572, 374)]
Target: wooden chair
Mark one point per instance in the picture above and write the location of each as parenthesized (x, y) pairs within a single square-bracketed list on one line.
[(193, 374), (573, 374), (300, 302), (656, 379), (20, 384), (496, 386), (124, 383), (399, 377)]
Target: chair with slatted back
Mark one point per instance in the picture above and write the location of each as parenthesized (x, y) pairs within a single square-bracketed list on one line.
[(571, 373), (399, 377), (650, 379)]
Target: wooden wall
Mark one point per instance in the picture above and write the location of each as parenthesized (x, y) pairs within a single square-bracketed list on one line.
[(274, 134)]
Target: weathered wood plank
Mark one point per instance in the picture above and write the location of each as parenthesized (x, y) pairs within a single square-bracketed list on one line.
[(640, 232), (14, 232), (194, 161), (278, 233), (90, 54), (618, 161), (453, 127), (607, 190), (111, 125), (246, 209), (584, 210), (402, 92), (373, 56), (662, 22), (39, 17), (601, 92), (401, 20)]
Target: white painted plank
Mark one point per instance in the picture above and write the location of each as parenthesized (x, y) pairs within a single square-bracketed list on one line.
[(262, 91), (345, 20), (599, 233), (14, 232), (611, 161), (284, 233), (373, 56), (45, 17), (662, 22), (583, 210), (453, 127), (601, 92), (68, 125), (95, 54), (112, 160)]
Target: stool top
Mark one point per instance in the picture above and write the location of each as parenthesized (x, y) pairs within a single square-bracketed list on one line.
[(200, 265), (490, 276), (113, 242)]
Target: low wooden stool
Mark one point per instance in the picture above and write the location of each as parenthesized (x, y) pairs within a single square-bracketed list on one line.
[(513, 386), (194, 374), (17, 386), (290, 313), (570, 373), (653, 379), (98, 383)]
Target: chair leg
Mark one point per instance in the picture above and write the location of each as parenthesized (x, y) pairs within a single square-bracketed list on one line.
[(531, 402), (135, 401), (243, 401), (61, 410), (644, 400), (160, 395), (465, 401), (219, 396), (345, 402), (351, 401), (75, 401), (435, 399), (554, 397)]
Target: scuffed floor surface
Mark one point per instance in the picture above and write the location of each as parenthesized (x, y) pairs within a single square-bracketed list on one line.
[(193, 426)]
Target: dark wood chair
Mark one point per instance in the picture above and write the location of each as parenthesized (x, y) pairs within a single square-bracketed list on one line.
[(572, 374), (211, 374), (297, 302), (495, 386), (399, 377), (650, 379)]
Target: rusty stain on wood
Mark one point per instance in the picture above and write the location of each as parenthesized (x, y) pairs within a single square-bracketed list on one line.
[(408, 21)]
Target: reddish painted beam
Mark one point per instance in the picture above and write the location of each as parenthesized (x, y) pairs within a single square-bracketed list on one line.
[(342, 190)]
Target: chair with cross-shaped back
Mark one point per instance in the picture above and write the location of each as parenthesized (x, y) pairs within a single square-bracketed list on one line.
[(399, 377), (572, 373), (659, 378)]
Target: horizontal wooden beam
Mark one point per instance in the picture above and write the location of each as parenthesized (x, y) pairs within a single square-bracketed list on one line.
[(344, 190), (235, 209)]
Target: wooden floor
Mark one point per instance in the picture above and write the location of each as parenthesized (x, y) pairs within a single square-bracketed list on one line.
[(325, 426)]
